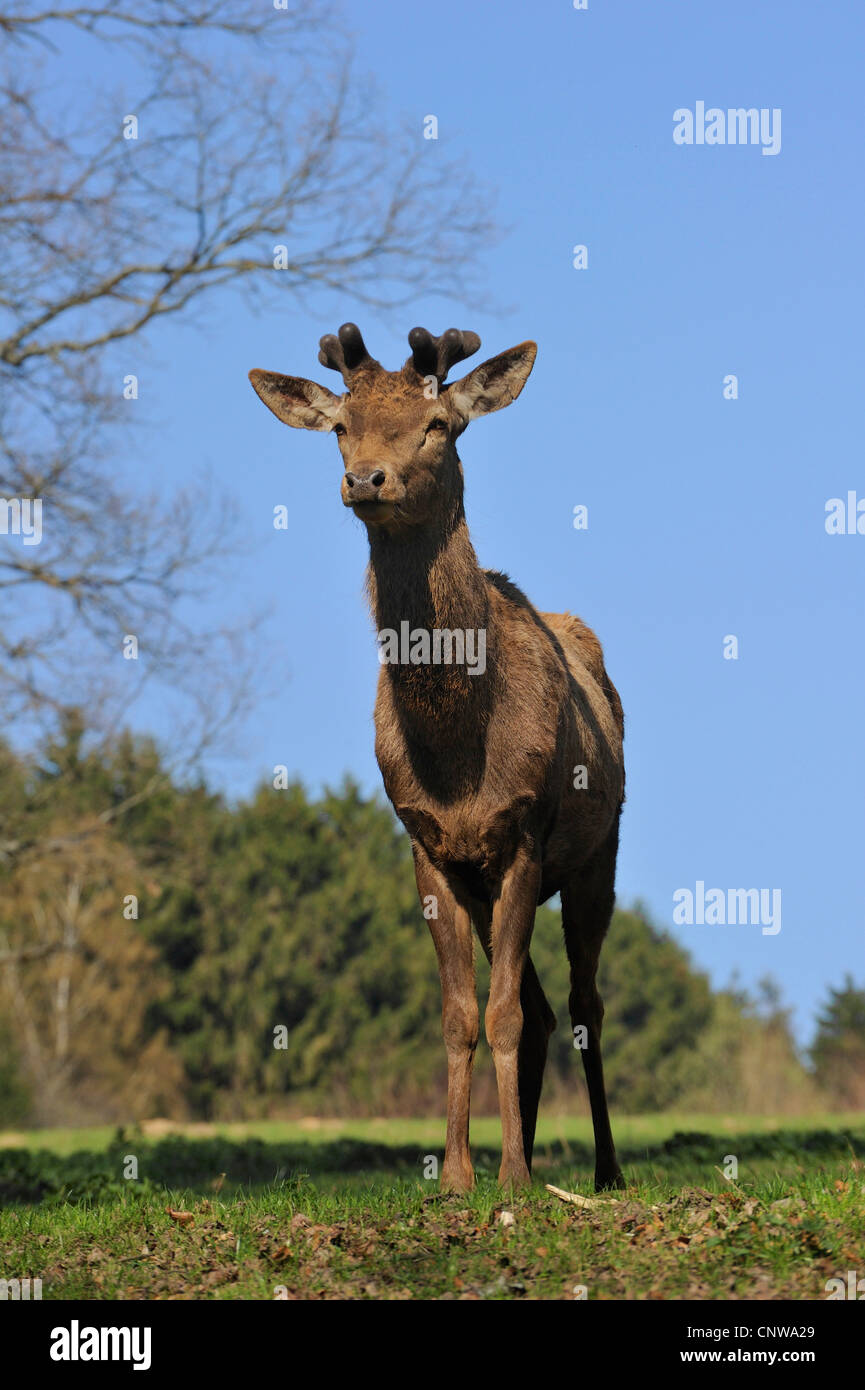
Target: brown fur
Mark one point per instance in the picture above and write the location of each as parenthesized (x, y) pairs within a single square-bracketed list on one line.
[(480, 768)]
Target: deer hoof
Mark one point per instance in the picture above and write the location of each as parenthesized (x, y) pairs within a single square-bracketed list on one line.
[(610, 1179), (515, 1177), (457, 1179)]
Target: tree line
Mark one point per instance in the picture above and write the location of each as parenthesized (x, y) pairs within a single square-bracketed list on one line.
[(166, 952)]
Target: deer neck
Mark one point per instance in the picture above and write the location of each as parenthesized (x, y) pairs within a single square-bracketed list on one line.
[(427, 580)]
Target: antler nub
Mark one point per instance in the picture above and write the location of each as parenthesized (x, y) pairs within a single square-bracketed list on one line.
[(435, 356), (345, 352)]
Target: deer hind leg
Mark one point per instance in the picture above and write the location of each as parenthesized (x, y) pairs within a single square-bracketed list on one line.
[(539, 1023), (452, 936), (587, 906)]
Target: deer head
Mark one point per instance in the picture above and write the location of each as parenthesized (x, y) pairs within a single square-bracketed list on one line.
[(397, 431)]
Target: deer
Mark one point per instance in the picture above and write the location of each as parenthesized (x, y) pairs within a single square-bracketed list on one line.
[(509, 780)]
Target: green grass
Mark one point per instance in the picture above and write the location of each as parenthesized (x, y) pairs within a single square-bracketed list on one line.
[(342, 1210)]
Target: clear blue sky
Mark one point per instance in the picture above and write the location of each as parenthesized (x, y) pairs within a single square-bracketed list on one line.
[(706, 516)]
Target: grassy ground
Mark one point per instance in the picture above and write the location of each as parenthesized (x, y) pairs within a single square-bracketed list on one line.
[(322, 1209)]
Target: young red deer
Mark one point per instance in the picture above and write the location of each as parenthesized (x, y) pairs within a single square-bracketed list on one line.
[(481, 766)]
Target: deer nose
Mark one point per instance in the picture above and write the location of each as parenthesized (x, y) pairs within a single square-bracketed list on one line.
[(364, 487)]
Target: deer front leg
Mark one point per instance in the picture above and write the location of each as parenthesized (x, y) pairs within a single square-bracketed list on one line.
[(452, 936), (513, 922)]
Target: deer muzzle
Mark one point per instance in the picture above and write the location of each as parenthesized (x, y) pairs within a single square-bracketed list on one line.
[(358, 488)]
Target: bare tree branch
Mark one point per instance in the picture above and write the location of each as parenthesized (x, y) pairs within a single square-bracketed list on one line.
[(113, 18), (278, 181)]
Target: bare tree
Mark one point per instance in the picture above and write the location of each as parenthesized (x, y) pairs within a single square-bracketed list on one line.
[(243, 155)]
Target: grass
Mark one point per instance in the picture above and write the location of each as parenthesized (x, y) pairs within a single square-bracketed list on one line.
[(333, 1209)]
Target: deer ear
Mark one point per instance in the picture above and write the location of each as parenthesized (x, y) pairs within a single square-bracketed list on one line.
[(296, 401), (494, 384)]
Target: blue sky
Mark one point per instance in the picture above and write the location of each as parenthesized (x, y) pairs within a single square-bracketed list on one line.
[(706, 515)]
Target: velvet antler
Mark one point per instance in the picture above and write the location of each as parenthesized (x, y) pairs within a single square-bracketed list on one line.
[(435, 356), (345, 352)]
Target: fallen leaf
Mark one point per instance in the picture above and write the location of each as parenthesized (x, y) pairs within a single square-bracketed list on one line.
[(183, 1218)]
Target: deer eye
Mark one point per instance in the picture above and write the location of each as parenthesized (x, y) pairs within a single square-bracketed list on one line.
[(436, 425), (338, 429)]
